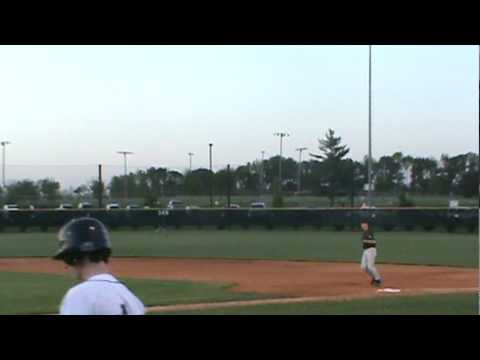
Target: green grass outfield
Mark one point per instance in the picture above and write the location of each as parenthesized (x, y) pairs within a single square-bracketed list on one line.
[(317, 245), (27, 293), (445, 304)]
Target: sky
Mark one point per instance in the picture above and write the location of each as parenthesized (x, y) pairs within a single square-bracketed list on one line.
[(68, 108)]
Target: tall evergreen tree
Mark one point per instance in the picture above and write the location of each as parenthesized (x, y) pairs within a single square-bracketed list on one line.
[(332, 155)]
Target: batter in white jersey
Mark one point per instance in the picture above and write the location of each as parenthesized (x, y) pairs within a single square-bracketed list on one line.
[(85, 248), (101, 294)]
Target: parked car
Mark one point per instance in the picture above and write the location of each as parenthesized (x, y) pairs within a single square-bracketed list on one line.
[(455, 204), (10, 207), (257, 205), (133, 207), (65, 207), (365, 206), (233, 206), (85, 205), (112, 206), (192, 207), (176, 204)]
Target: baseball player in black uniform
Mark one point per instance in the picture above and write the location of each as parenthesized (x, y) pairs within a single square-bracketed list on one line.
[(369, 254)]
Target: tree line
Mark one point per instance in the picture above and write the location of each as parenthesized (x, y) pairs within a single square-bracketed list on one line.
[(329, 172)]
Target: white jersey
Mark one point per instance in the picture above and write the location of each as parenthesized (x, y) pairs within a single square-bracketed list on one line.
[(101, 294)]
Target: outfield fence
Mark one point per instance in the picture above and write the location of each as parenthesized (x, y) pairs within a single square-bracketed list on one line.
[(388, 219)]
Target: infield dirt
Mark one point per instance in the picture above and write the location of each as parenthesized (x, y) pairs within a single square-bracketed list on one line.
[(278, 278)]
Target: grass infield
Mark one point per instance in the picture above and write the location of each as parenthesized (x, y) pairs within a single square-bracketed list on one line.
[(27, 293), (445, 304)]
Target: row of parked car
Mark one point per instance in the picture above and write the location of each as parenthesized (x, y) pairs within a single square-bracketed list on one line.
[(82, 205), (178, 204), (172, 204)]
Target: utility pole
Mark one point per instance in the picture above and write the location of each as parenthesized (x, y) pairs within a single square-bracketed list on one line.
[(262, 173), (229, 186), (299, 187), (369, 196), (211, 175), (100, 189), (352, 185), (281, 135), (4, 144), (190, 154), (125, 180)]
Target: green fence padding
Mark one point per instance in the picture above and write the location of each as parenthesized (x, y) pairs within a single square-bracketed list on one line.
[(427, 219)]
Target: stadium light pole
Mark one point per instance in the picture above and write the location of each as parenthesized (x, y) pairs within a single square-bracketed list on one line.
[(125, 181), (369, 195), (4, 144), (299, 187), (190, 154), (210, 145), (281, 135)]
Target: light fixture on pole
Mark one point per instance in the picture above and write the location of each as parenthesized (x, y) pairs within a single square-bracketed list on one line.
[(299, 187), (190, 154), (4, 144), (125, 180), (281, 135)]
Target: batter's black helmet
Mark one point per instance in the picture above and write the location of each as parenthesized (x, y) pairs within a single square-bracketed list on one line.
[(82, 236)]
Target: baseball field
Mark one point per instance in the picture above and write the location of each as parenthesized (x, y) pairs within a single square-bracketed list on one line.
[(257, 272)]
